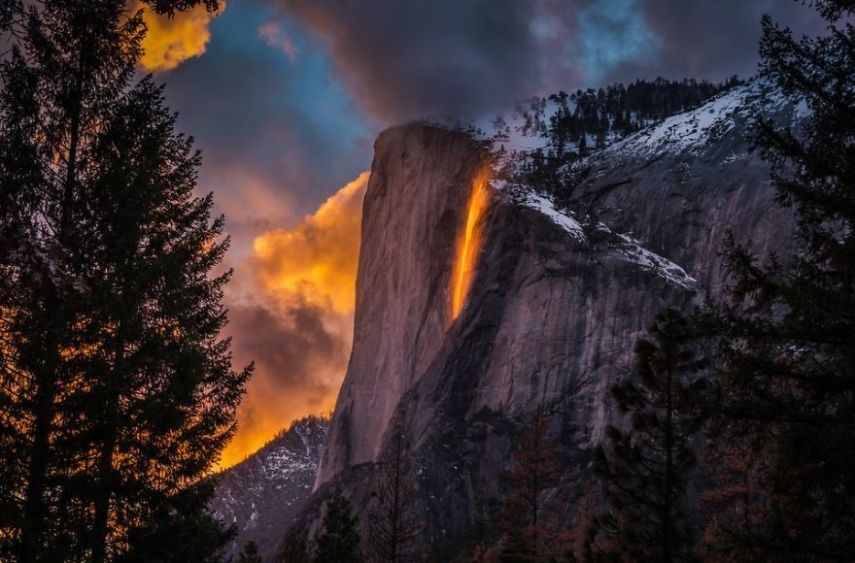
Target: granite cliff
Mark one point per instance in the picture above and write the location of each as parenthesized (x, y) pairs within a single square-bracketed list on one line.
[(553, 299)]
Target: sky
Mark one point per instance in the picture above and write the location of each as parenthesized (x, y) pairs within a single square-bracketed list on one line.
[(285, 97)]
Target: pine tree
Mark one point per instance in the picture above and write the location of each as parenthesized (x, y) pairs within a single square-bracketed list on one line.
[(339, 539), (165, 380), (52, 94), (111, 361), (175, 536), (249, 554), (579, 536), (528, 527), (392, 523), (296, 549), (644, 470), (786, 424)]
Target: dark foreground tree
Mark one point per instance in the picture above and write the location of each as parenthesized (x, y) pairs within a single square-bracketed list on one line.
[(116, 389), (644, 470), (165, 388), (296, 549), (339, 538), (528, 527), (392, 522), (179, 535), (786, 430), (249, 554)]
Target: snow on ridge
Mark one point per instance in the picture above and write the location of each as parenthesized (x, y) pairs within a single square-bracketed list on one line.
[(626, 247), (693, 129), (687, 130), (647, 260), (547, 207)]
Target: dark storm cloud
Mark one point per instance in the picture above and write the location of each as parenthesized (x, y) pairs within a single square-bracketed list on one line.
[(712, 40), (409, 58), (287, 346), (277, 133), (298, 365)]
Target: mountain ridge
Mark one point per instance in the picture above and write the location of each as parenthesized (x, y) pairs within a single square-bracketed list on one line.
[(560, 294), (262, 494)]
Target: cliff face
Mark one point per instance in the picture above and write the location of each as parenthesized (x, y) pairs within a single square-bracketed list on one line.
[(410, 219), (555, 304)]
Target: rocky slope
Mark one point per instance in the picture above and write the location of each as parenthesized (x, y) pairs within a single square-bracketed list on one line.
[(263, 494), (557, 299)]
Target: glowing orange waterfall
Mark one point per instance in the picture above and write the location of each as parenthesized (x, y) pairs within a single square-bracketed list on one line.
[(469, 242)]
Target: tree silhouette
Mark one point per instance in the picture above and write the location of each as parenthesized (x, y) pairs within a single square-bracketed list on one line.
[(392, 523), (340, 538), (116, 388), (645, 469), (785, 424), (528, 527), (249, 554)]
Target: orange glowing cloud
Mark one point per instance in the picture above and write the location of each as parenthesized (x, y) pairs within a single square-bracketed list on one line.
[(318, 258), (292, 315), (171, 41)]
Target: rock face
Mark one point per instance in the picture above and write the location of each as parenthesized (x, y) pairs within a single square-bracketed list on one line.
[(263, 494), (411, 213), (557, 301)]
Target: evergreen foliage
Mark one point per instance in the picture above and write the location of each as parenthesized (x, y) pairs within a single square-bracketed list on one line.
[(785, 431), (177, 536), (575, 125), (644, 470), (296, 549), (340, 537), (392, 523), (249, 554), (116, 389), (528, 526), (517, 547)]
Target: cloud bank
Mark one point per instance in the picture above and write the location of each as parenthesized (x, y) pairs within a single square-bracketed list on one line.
[(465, 58), (293, 316)]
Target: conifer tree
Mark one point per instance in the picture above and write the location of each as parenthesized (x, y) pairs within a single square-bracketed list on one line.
[(175, 536), (296, 549), (117, 392), (392, 524), (786, 426), (644, 469), (165, 386), (339, 539), (54, 93), (249, 554), (528, 527)]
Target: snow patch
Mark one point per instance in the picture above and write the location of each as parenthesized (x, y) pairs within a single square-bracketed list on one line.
[(546, 206), (625, 247), (650, 261)]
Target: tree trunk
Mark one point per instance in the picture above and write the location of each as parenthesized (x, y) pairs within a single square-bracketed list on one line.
[(35, 509), (104, 490)]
